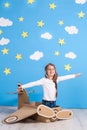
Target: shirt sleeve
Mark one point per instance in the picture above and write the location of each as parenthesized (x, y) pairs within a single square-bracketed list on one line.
[(66, 77), (32, 84)]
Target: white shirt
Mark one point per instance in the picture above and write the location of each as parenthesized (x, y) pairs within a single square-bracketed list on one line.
[(48, 86)]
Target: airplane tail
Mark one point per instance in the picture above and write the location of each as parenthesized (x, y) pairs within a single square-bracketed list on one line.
[(22, 98)]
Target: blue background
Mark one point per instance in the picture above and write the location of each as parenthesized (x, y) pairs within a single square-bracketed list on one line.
[(72, 93)]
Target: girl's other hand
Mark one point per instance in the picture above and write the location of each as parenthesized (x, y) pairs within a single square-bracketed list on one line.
[(78, 74)]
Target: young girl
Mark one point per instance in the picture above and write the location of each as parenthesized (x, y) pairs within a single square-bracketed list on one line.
[(49, 84)]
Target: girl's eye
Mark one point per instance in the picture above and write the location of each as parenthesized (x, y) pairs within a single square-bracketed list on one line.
[(51, 69)]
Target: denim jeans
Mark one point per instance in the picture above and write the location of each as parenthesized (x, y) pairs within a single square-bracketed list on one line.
[(49, 103)]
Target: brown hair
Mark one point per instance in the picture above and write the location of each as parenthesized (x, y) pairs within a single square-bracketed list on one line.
[(54, 77)]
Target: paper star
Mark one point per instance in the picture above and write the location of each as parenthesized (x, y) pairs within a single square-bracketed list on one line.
[(67, 67), (21, 19), (24, 34), (56, 53), (18, 56), (7, 5), (81, 14), (60, 22), (1, 32), (5, 51), (40, 23), (61, 41), (7, 71), (52, 6), (31, 1)]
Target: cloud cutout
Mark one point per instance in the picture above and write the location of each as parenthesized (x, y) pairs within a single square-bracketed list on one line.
[(46, 36), (81, 1), (71, 29), (36, 55), (70, 55), (5, 22), (4, 41)]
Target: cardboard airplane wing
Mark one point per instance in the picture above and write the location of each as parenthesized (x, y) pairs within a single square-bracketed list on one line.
[(22, 113)]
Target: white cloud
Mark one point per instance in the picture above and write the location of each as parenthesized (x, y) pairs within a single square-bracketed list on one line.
[(5, 22), (4, 41), (46, 36), (71, 29), (70, 55), (81, 1), (36, 55)]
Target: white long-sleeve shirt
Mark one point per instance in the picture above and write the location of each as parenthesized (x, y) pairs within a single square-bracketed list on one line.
[(48, 86)]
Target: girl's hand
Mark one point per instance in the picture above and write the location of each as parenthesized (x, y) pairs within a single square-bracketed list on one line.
[(78, 74), (19, 87)]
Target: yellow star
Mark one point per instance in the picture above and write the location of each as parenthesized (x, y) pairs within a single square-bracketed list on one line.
[(6, 4), (40, 23), (81, 14), (67, 67), (1, 32), (52, 6), (5, 51), (21, 19), (60, 22), (56, 53), (24, 34), (7, 71), (61, 41), (31, 1), (18, 56)]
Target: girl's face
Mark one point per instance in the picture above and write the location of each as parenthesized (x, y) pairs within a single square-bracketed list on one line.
[(50, 71)]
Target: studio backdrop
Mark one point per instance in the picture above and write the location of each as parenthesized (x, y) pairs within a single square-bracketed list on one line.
[(34, 33)]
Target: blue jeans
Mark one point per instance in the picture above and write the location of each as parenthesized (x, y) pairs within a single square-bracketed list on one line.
[(49, 103)]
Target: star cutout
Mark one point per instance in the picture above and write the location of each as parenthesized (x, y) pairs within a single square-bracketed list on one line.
[(24, 34), (56, 53), (67, 67), (60, 22), (7, 71), (18, 56), (31, 1), (81, 14), (1, 32), (52, 6), (21, 19), (7, 5), (61, 41), (5, 51), (40, 23)]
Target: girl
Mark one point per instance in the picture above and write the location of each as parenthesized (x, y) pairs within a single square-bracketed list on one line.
[(49, 84)]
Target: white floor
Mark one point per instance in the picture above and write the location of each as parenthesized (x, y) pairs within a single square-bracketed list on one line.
[(78, 122)]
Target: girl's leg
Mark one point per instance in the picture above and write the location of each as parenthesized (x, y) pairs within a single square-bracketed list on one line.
[(50, 104)]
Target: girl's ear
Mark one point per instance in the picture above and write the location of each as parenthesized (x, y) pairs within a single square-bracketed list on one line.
[(46, 75)]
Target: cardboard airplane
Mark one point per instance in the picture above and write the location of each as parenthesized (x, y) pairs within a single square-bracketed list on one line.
[(36, 111)]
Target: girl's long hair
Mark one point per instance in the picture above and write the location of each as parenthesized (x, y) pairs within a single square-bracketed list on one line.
[(54, 77)]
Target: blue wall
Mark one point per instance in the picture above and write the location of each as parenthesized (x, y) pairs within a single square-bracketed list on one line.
[(36, 32)]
